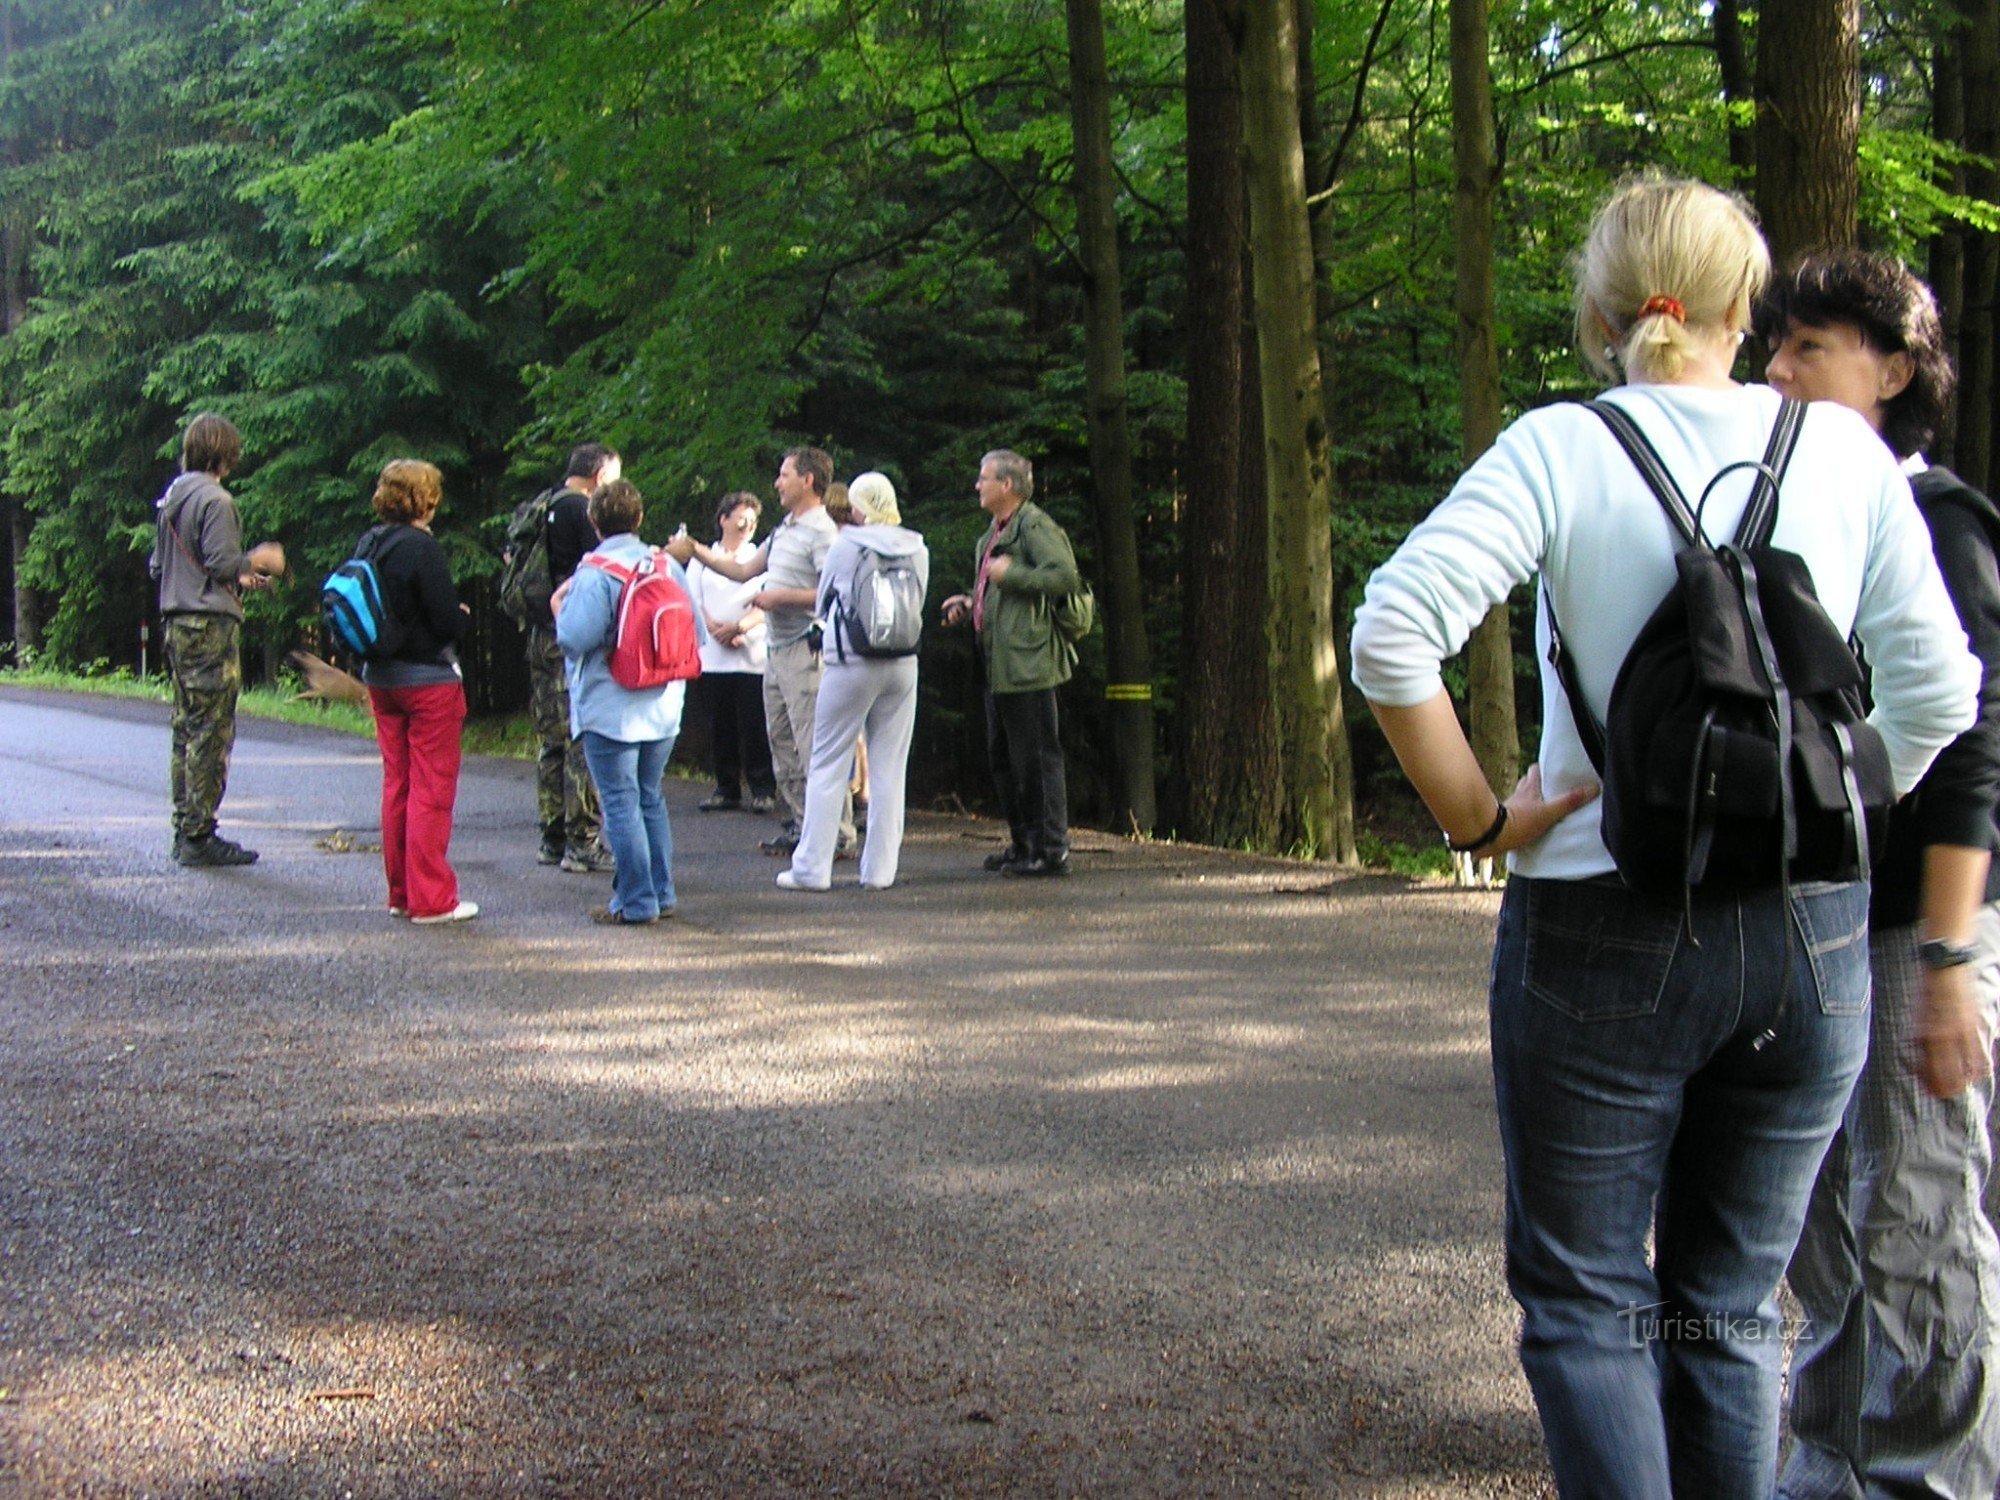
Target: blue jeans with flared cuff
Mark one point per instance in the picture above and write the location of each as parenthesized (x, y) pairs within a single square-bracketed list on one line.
[(628, 775), (1678, 1073)]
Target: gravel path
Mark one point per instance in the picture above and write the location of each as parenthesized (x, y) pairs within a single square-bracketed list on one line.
[(1176, 1178)]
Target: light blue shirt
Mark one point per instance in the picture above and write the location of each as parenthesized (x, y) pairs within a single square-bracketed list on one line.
[(584, 630)]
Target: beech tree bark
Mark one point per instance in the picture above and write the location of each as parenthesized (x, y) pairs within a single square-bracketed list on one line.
[(1315, 768), (1228, 759), (1129, 675)]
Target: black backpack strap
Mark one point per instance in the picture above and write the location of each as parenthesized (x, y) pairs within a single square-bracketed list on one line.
[(1760, 517), (1646, 459), (1589, 733)]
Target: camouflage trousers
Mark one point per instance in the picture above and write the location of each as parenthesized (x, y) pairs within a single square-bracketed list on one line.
[(565, 798), (205, 663)]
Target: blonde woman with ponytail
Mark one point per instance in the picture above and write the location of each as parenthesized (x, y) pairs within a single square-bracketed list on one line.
[(1667, 1080)]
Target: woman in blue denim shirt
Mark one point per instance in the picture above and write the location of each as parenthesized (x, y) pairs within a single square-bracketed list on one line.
[(1660, 1074), (627, 734)]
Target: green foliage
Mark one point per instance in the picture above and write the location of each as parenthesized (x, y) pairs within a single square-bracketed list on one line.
[(703, 230)]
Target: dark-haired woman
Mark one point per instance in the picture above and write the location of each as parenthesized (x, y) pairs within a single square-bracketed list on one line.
[(418, 694)]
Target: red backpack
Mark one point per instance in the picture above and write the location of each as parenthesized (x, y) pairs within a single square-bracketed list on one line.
[(653, 639)]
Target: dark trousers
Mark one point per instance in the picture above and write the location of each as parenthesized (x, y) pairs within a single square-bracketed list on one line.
[(1024, 749), (739, 747)]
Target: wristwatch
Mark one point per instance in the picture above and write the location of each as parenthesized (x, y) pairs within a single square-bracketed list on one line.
[(1943, 953)]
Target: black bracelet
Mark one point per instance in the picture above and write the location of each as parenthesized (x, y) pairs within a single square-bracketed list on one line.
[(1492, 834)]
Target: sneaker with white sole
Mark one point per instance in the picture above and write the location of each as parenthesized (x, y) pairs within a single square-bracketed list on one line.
[(465, 911), (787, 881)]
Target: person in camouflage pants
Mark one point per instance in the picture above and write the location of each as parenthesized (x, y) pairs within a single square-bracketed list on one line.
[(202, 568), (205, 663), (565, 796)]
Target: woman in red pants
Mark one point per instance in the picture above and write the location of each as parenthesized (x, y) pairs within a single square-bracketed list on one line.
[(418, 693)]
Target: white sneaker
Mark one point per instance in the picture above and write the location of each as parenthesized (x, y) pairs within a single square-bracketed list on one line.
[(787, 881), (398, 911), (465, 911)]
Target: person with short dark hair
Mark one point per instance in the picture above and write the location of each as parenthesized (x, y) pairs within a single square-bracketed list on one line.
[(628, 733), (1895, 1385), (418, 694), (790, 561), (1023, 567), (566, 802), (731, 685), (202, 568)]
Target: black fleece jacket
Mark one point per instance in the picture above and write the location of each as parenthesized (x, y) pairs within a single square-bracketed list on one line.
[(417, 591), (1958, 801)]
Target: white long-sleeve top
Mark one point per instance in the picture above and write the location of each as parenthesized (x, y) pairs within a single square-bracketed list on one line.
[(1556, 495)]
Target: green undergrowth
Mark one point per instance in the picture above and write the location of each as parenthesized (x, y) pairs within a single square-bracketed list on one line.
[(510, 735)]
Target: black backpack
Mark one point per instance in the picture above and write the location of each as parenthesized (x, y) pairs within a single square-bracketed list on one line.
[(1735, 755), (525, 583)]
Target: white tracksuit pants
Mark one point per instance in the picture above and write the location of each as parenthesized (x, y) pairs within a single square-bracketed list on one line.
[(867, 697)]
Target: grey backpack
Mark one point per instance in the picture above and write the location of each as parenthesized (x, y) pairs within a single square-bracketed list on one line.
[(881, 610)]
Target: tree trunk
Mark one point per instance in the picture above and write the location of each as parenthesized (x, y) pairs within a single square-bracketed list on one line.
[(1227, 731), (1129, 677), (1315, 772), (1977, 394), (13, 308), (1808, 123), (1738, 90), (1947, 247), (1489, 665)]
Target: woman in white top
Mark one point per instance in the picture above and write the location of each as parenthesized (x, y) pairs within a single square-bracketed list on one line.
[(1659, 1072), (875, 696), (731, 685)]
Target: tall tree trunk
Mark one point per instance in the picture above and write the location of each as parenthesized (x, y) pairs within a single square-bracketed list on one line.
[(1977, 392), (1947, 248), (1808, 123), (1316, 773), (1228, 731), (1738, 90), (22, 617), (1496, 738), (1129, 684)]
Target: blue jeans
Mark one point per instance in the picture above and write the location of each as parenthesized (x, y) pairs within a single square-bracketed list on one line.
[(635, 822), (1650, 1077)]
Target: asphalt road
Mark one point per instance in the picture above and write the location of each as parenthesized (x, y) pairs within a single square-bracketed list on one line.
[(1176, 1178)]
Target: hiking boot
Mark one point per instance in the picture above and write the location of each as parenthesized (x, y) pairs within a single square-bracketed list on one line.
[(761, 804), (718, 803), (550, 853), (213, 852), (780, 847), (594, 859)]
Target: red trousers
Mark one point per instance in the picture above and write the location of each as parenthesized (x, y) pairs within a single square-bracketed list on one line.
[(418, 730)]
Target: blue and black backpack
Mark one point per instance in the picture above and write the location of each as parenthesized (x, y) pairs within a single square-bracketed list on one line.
[(357, 614)]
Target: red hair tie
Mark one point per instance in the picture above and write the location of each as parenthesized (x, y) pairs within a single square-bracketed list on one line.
[(1671, 306)]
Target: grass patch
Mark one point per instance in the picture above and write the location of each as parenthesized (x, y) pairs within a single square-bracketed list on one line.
[(509, 735), (1428, 861)]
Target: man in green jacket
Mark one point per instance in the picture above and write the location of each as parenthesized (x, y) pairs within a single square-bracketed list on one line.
[(1022, 569)]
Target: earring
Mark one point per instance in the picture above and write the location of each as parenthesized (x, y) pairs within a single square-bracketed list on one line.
[(1611, 352)]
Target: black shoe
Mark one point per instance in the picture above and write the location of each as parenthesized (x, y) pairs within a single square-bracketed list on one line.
[(214, 852), (549, 853), (718, 803), (1001, 860), (780, 847), (1038, 867), (762, 804)]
